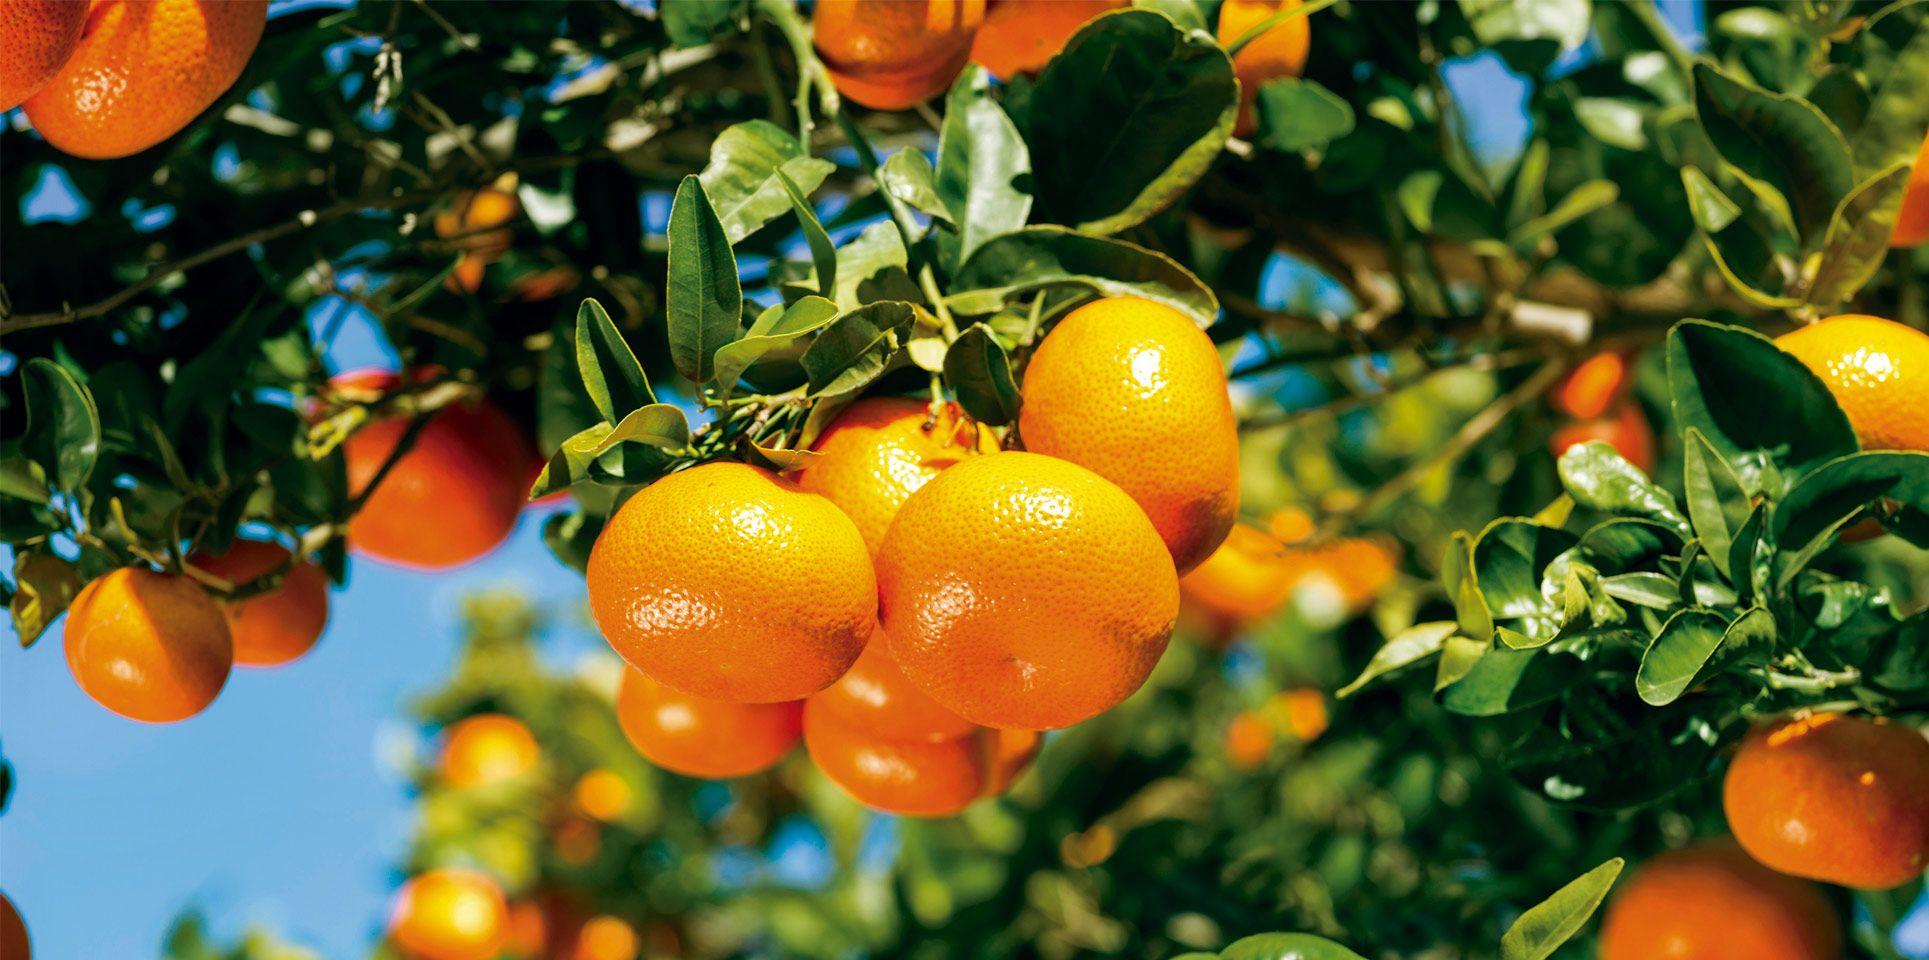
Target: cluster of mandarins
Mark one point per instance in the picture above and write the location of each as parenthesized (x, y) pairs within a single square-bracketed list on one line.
[(114, 77), (916, 604)]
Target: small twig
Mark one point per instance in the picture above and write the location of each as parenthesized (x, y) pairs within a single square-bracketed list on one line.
[(1353, 401)]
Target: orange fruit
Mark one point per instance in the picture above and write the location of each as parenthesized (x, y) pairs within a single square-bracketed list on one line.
[(528, 931), (1912, 220), (14, 942), (1627, 431), (1711, 902), (1833, 798), (1245, 580), (1300, 712), (452, 498), (41, 35), (1134, 391), (1025, 592), (1249, 740), (1279, 52), (449, 914), (894, 54), (149, 646), (917, 778), (711, 739), (1592, 387), (1878, 371), (605, 938), (278, 626), (874, 694), (729, 582), (476, 221), (602, 795), (1011, 752), (880, 450), (142, 71), (1021, 36), (487, 749), (1356, 568)]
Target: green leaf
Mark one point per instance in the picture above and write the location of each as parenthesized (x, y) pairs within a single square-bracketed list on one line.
[(1458, 655), (1296, 115), (703, 302), (571, 536), (1408, 647), (1740, 253), (44, 585), (23, 479), (1508, 559), (658, 425), (611, 375), (741, 178), (1507, 681), (1579, 202), (908, 176), (1457, 576), (63, 426), (981, 163), (1822, 503), (1286, 946), (874, 267), (823, 255), (1651, 590), (978, 369), (777, 328), (1695, 645), (693, 23), (1043, 257), (1126, 118), (1624, 544), (1717, 504), (570, 464), (1782, 140), (1892, 131), (1554, 921), (854, 349), (1760, 407), (1530, 34), (1858, 236), (1598, 477)]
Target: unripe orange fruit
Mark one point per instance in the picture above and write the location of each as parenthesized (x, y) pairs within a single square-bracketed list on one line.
[(1912, 220), (14, 943), (1592, 387), (41, 35), (452, 498), (487, 749), (1021, 36), (449, 914), (1025, 592), (1833, 798), (894, 54), (1877, 370), (150, 646), (1246, 579), (880, 450), (1279, 52), (1627, 431), (1711, 902), (711, 739), (278, 626), (875, 695), (729, 582), (1133, 391), (142, 71)]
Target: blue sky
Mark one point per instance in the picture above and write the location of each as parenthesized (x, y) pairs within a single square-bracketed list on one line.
[(277, 804)]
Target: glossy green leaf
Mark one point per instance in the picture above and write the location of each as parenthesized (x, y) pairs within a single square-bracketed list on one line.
[(823, 255), (777, 328), (63, 427), (1598, 477), (982, 167), (1408, 647), (1761, 408), (693, 23), (703, 302), (873, 267), (44, 584), (1507, 681), (1127, 117), (854, 349), (1858, 236), (1897, 120), (977, 368), (1822, 503), (1717, 504), (1782, 140), (1038, 258), (611, 375), (1286, 946), (1695, 645), (659, 425), (1296, 114), (571, 462), (1554, 921), (1738, 250), (1507, 562), (23, 479), (1579, 202), (741, 179), (908, 176)]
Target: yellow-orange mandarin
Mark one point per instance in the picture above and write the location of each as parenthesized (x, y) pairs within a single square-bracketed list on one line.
[(1020, 36), (280, 625), (1912, 219), (146, 645), (487, 749), (1025, 592), (1279, 52), (40, 36), (1626, 430), (1711, 902), (697, 737), (449, 914), (142, 71), (894, 54), (729, 582), (1246, 579), (880, 450), (1134, 391), (1877, 370)]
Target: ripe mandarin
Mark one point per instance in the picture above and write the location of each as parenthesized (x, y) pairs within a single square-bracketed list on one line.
[(1912, 220), (487, 749), (1279, 52), (449, 914), (914, 777), (280, 625), (41, 35), (150, 646), (1025, 592), (1133, 391), (1833, 798), (1627, 431), (1711, 902), (604, 937), (894, 54), (1592, 387), (1243, 581), (452, 498), (880, 450), (874, 694), (729, 582), (1020, 36), (1878, 371), (476, 221), (142, 71), (1249, 739), (711, 739)]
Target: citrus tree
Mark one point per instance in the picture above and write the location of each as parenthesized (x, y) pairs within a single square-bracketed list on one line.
[(903, 375)]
